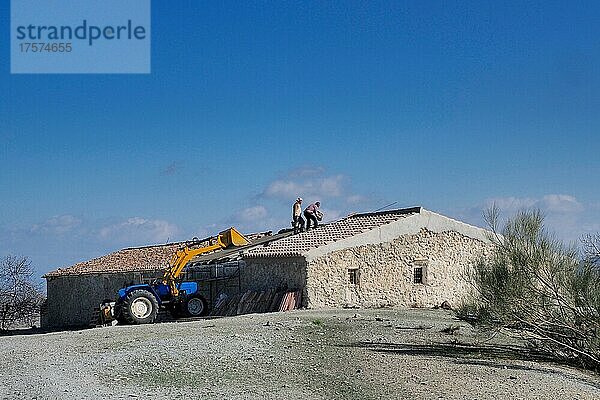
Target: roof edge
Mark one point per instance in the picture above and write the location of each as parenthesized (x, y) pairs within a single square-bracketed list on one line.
[(58, 272), (409, 225), (400, 211)]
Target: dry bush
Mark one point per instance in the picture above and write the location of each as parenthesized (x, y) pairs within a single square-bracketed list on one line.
[(591, 249), (535, 286), (20, 298)]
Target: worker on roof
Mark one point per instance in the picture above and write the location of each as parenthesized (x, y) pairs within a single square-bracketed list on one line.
[(313, 214), (298, 221)]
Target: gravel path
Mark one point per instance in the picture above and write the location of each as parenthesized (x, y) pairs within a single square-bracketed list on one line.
[(333, 354)]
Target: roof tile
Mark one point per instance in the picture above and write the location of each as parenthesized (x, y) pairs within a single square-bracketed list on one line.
[(134, 259), (297, 245)]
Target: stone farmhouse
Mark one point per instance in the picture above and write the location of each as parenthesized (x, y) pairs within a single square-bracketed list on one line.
[(408, 257)]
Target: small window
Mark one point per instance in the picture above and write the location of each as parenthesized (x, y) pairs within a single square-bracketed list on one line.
[(353, 276), (418, 275), (420, 270)]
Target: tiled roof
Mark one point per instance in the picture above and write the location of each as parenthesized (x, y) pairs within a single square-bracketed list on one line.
[(297, 245), (134, 259)]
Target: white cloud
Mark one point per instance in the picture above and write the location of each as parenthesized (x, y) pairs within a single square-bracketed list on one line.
[(139, 230), (561, 203), (310, 183), (57, 225), (284, 189), (355, 199), (564, 214), (314, 187), (332, 186), (252, 213), (123, 232), (511, 204)]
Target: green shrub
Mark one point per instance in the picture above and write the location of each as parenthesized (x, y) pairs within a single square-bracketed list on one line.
[(534, 285)]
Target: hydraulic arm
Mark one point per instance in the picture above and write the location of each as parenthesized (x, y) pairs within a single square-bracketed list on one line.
[(227, 238)]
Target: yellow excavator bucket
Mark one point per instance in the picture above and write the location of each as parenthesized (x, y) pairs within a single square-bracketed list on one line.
[(231, 237)]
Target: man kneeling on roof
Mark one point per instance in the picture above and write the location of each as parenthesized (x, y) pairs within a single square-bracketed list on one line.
[(313, 214)]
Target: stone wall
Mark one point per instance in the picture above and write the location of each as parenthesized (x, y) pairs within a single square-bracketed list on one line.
[(385, 272), (273, 273), (72, 299)]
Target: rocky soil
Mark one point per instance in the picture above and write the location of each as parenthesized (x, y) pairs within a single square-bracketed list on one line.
[(334, 354)]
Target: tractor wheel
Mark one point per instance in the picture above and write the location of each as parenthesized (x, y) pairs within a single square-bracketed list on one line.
[(139, 307), (194, 306), (119, 306)]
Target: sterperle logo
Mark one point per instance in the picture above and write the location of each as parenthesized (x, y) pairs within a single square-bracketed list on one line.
[(84, 31)]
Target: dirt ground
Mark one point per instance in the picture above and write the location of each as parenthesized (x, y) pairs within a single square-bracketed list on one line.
[(333, 354)]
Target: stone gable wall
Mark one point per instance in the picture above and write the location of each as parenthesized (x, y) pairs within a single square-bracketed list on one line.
[(386, 272)]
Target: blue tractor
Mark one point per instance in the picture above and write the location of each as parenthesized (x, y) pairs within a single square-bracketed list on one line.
[(139, 304)]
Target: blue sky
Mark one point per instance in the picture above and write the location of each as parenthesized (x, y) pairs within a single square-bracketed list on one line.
[(449, 105)]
